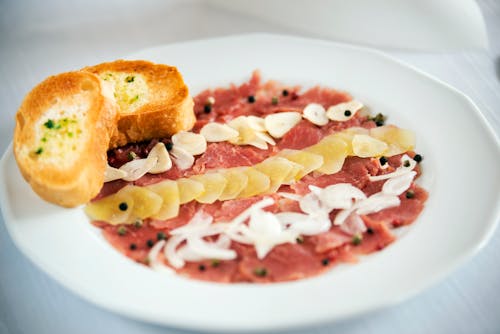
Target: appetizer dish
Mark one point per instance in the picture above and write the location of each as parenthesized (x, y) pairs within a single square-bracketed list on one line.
[(258, 182)]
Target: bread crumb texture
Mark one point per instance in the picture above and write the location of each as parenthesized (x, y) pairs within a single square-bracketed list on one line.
[(130, 90)]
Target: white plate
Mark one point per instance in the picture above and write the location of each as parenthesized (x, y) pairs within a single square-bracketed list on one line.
[(460, 171)]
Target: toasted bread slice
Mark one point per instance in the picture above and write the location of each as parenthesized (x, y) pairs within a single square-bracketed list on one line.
[(62, 133), (154, 100)]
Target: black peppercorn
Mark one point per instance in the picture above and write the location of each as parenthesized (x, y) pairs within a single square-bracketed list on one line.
[(418, 158), (123, 206), (207, 108), (251, 99)]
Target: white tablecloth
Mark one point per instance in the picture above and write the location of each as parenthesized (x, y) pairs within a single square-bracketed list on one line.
[(41, 38)]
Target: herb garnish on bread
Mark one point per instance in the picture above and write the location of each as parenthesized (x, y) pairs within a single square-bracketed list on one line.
[(153, 98), (62, 133)]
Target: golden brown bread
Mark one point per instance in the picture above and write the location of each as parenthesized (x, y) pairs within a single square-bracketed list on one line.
[(62, 133), (153, 98)]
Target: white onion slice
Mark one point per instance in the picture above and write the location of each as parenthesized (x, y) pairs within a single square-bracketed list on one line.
[(136, 169), (399, 184), (315, 113), (399, 171), (182, 158), (376, 203), (163, 162), (210, 250), (337, 112), (191, 142), (216, 132), (170, 252), (153, 258), (111, 174), (353, 225)]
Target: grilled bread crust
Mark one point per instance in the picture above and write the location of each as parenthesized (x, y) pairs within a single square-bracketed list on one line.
[(63, 129)]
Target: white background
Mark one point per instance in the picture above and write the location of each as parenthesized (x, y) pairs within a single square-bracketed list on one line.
[(38, 39)]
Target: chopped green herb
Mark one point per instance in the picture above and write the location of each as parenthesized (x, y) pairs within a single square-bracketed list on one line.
[(357, 239), (161, 236), (406, 163), (70, 134), (274, 100), (410, 194), (122, 230), (215, 263), (300, 239), (261, 272), (49, 124), (138, 223), (44, 139), (135, 98), (130, 78), (39, 150), (131, 155)]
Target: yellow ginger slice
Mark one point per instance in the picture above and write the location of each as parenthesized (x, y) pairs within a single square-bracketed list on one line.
[(308, 160), (398, 140), (333, 150), (189, 189), (365, 146), (169, 192), (277, 169), (237, 180), (258, 183), (213, 183)]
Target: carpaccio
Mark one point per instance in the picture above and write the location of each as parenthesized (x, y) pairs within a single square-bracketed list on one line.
[(310, 255)]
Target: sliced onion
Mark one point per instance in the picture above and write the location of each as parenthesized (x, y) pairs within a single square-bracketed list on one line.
[(111, 174), (163, 162), (182, 158), (209, 250), (353, 225), (399, 184), (311, 225), (153, 258), (399, 171), (376, 203), (170, 251), (338, 196), (136, 169)]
